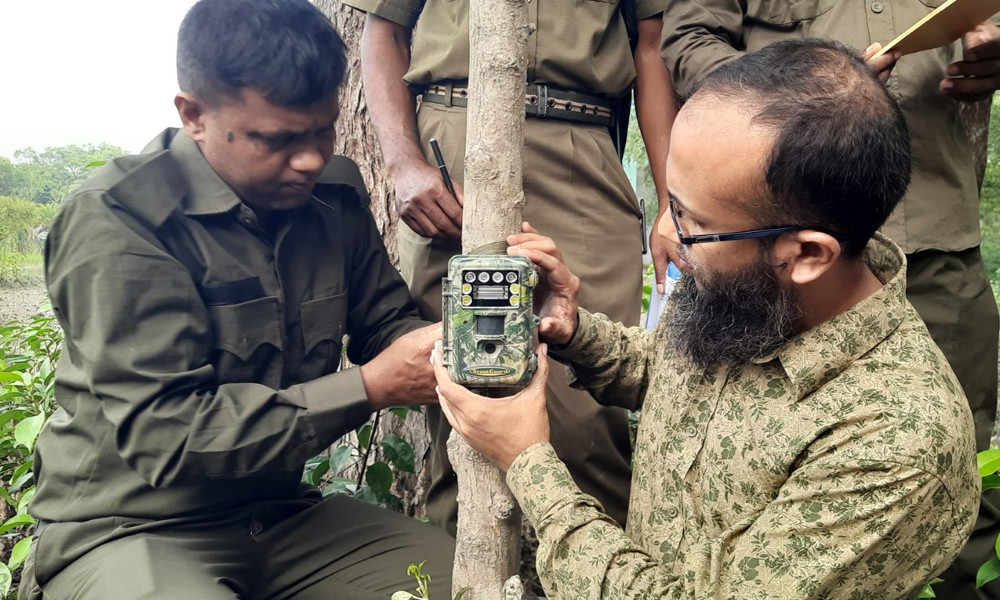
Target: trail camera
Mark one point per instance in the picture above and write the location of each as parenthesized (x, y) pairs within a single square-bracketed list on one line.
[(489, 325)]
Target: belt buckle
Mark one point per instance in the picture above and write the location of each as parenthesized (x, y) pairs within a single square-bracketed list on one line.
[(447, 93), (542, 91)]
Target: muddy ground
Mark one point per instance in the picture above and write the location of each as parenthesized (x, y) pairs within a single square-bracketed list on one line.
[(18, 301)]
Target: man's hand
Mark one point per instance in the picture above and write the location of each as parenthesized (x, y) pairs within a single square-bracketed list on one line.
[(425, 204), (978, 75), (882, 65), (401, 374), (663, 250), (498, 428), (556, 293)]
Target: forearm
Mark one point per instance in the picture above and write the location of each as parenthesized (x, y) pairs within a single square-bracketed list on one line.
[(655, 104), (385, 58), (807, 545), (698, 37), (609, 360)]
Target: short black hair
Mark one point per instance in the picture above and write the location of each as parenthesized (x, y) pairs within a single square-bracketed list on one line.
[(286, 49), (841, 157)]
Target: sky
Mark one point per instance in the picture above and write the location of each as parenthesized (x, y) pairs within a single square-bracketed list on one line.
[(78, 72)]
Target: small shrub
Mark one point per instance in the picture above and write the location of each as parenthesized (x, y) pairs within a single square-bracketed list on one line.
[(28, 354)]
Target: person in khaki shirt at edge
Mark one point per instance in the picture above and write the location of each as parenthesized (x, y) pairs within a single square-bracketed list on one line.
[(937, 222), (575, 187)]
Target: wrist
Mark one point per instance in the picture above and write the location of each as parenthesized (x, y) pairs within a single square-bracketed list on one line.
[(372, 379)]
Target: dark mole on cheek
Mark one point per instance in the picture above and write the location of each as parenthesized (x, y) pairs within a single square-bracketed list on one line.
[(229, 135)]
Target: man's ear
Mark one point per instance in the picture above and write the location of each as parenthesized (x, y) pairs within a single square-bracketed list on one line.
[(192, 112), (806, 255)]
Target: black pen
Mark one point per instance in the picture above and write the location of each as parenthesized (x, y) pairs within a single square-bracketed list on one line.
[(442, 167)]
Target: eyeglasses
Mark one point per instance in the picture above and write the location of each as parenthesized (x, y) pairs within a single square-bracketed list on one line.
[(725, 237)]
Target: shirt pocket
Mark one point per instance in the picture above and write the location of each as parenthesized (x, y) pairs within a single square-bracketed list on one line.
[(322, 332), (247, 341), (787, 12)]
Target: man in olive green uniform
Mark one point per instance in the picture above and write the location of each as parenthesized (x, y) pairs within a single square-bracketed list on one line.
[(205, 291), (576, 191), (937, 222)]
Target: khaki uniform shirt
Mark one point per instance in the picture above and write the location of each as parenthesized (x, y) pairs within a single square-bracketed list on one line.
[(941, 208), (198, 371), (577, 45), (843, 466)]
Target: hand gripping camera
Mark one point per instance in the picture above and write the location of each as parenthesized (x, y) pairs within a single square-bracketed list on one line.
[(489, 325)]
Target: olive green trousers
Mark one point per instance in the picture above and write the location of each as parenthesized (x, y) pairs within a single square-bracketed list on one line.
[(336, 548)]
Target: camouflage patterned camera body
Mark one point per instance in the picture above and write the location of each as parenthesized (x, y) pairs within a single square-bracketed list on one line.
[(489, 324)]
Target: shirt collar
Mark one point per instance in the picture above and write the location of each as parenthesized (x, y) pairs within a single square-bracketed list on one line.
[(207, 193), (816, 356)]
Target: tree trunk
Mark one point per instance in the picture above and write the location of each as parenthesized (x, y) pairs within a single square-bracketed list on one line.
[(489, 519), (355, 134), (356, 139)]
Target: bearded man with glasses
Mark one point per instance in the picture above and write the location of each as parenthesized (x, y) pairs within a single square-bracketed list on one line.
[(801, 437)]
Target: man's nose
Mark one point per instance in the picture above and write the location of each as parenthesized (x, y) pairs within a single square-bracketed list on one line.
[(308, 159)]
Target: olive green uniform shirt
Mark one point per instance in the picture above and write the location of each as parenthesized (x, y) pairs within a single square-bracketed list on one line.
[(941, 208), (198, 372), (577, 45), (842, 466)]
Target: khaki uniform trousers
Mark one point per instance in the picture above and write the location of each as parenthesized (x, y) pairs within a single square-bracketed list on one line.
[(304, 550), (576, 193), (951, 292)]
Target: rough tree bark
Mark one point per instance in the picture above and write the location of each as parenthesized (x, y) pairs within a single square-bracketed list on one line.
[(355, 134), (489, 519), (976, 118), (356, 139)]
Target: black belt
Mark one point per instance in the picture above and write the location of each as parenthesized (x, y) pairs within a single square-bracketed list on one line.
[(540, 101)]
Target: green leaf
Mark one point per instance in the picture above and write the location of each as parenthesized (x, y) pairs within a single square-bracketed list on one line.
[(27, 430), (988, 461), (25, 499), (462, 592), (17, 521), (988, 572), (927, 592), (401, 595), (339, 459), (6, 579), (19, 553), (365, 435), (318, 470), (6, 376), (399, 452), (401, 412), (340, 485), (379, 478)]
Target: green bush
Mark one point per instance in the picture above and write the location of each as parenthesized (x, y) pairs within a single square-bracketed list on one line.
[(20, 223), (28, 354)]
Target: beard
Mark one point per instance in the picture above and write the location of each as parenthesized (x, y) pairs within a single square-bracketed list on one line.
[(732, 319)]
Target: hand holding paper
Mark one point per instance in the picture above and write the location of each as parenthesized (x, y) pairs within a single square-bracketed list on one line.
[(978, 75)]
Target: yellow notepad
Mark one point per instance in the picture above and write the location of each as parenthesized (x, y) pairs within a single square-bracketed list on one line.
[(946, 24)]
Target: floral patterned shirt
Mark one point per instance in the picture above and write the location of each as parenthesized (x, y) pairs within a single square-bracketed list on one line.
[(841, 466)]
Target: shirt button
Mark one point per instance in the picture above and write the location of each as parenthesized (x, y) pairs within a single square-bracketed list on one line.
[(672, 512), (877, 7), (691, 432)]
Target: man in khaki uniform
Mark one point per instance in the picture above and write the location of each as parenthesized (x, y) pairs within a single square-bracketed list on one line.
[(575, 188), (937, 222), (205, 291)]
